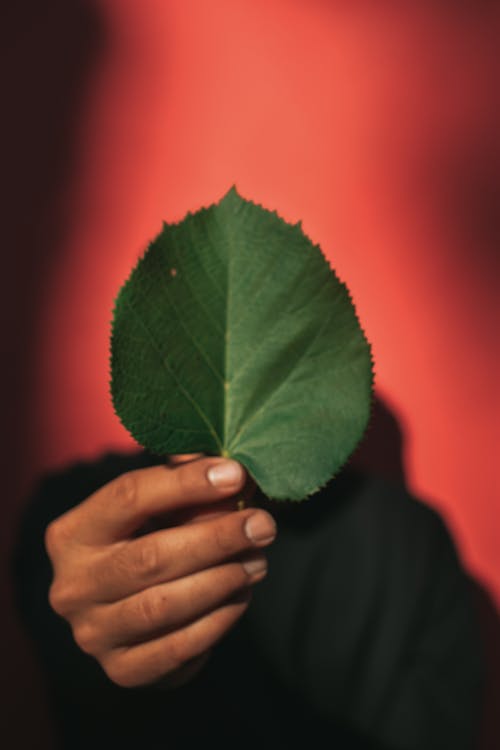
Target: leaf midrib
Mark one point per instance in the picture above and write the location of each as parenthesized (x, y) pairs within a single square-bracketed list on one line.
[(226, 398)]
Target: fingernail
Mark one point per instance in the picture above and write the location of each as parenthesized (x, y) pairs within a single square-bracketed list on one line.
[(255, 566), (260, 528), (225, 474)]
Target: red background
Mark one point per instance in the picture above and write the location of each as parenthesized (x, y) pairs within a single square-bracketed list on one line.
[(374, 123)]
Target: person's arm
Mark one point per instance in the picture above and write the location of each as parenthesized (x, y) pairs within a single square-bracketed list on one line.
[(364, 621), (367, 613)]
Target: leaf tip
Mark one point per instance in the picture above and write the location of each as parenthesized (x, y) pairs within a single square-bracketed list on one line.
[(232, 194)]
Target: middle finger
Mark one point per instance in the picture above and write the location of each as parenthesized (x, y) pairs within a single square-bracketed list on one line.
[(168, 606)]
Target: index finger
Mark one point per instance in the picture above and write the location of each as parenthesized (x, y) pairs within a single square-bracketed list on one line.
[(123, 505)]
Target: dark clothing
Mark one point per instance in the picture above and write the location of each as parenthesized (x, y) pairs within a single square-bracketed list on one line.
[(362, 635)]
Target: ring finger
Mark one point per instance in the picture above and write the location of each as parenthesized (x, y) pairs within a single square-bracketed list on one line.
[(168, 606)]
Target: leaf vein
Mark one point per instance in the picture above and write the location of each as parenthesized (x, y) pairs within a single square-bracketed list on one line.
[(273, 393)]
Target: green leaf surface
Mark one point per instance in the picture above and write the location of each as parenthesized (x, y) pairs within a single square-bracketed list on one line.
[(233, 336)]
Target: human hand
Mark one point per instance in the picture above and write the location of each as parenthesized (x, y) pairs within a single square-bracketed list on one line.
[(152, 606)]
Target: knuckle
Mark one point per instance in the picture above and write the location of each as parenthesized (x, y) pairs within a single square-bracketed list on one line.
[(86, 638), (146, 563), (62, 597), (123, 490), (56, 599), (54, 537), (150, 608)]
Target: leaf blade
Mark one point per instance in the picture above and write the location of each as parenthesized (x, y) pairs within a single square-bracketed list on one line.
[(256, 335)]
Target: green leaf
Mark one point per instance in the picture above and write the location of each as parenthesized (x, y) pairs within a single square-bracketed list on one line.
[(233, 336)]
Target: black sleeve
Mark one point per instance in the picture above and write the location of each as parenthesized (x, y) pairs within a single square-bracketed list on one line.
[(363, 633), (369, 614)]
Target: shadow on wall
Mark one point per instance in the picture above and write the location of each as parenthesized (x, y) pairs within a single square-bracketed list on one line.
[(380, 451), (48, 52)]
